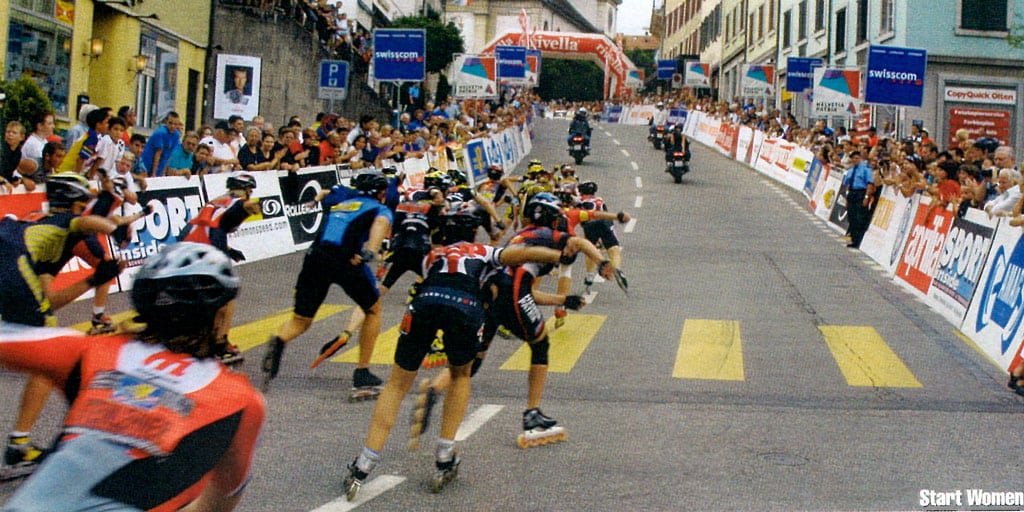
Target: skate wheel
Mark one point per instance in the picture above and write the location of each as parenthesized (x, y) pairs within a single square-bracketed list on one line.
[(522, 442)]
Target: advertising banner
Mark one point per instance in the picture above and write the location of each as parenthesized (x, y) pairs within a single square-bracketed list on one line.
[(836, 92), (666, 68), (960, 264), (21, 205), (981, 122), (266, 234), (993, 319), (895, 76), (698, 74), (799, 72), (298, 190), (399, 54), (839, 217), (758, 81), (238, 86), (511, 62), (890, 225), (921, 253), (476, 159), (475, 77), (533, 62)]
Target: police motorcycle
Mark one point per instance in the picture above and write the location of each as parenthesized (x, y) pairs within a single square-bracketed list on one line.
[(677, 159), (579, 136), (658, 127)]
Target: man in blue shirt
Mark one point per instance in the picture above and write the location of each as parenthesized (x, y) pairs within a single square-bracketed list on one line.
[(161, 144), (860, 188)]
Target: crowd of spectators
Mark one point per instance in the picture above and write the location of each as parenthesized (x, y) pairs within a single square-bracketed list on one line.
[(964, 173), (106, 141)]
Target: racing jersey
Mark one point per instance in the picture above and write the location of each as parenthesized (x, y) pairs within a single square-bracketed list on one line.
[(216, 220), (535, 236), (347, 224), (183, 421)]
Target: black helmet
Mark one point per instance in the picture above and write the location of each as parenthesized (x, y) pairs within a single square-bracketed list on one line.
[(588, 188), (458, 228), (183, 283), (543, 209), (389, 171), (370, 182), (436, 179), (67, 188), (241, 181), (566, 197), (458, 177), (495, 172)]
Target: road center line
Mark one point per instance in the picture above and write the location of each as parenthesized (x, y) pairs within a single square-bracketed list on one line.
[(639, 182), (624, 152), (634, 166), (370, 490), (630, 226), (638, 202), (616, 142), (474, 421)]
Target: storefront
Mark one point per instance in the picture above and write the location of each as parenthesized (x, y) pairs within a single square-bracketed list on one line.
[(39, 45)]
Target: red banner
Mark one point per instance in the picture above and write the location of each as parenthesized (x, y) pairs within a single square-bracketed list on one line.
[(21, 204), (980, 122)]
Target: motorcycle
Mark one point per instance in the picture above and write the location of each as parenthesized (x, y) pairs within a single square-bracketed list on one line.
[(578, 148), (657, 136), (678, 165)]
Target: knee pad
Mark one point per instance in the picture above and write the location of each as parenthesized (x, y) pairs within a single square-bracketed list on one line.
[(539, 352)]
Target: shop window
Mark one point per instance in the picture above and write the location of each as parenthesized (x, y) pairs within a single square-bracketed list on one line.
[(40, 49)]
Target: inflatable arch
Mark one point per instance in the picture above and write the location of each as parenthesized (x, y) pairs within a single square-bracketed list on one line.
[(621, 75)]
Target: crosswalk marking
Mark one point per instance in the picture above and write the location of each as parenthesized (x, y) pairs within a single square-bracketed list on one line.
[(371, 489), (709, 349), (567, 344), (116, 318), (383, 349), (256, 333), (865, 359)]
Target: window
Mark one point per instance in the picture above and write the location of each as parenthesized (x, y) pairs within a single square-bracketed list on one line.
[(40, 48), (984, 15), (886, 16), (862, 21), (801, 21), (760, 22), (820, 11), (771, 15), (786, 28), (840, 45)]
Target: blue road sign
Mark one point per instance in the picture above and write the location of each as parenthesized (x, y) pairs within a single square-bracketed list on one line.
[(399, 54), (333, 80), (895, 76), (511, 61)]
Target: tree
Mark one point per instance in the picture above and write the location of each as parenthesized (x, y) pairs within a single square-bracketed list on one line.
[(443, 40), (571, 80), (25, 100)]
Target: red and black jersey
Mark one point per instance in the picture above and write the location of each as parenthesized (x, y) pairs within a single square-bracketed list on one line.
[(535, 236), (216, 220)]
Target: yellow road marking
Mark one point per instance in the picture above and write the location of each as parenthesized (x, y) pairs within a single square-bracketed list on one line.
[(865, 358), (567, 344), (709, 349), (256, 333), (117, 318), (383, 350)]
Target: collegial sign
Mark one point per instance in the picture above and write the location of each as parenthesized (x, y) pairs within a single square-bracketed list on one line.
[(895, 76), (399, 54)]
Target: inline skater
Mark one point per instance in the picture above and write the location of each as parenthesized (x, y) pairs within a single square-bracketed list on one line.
[(600, 231), (515, 307), (217, 219), (155, 422), (32, 252), (449, 298), (348, 240)]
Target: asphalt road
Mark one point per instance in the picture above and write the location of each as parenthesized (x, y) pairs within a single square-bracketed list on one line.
[(726, 380)]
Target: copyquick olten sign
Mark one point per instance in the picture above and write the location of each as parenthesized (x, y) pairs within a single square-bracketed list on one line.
[(895, 76)]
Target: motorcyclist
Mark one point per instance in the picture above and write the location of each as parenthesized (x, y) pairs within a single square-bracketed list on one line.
[(581, 126), (675, 141), (660, 117)]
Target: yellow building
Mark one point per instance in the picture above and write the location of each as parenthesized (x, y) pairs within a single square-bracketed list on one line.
[(150, 56)]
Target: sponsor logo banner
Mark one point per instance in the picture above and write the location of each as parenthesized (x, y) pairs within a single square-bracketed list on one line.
[(895, 76)]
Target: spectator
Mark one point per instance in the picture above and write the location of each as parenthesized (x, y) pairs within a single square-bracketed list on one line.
[(161, 144), (130, 117), (183, 157), (249, 154), (10, 150), (1009, 194), (224, 157), (33, 146), (202, 162), (80, 128)]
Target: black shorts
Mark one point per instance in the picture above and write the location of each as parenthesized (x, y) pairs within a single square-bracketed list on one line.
[(22, 300), (320, 269), (600, 233), (458, 313), (402, 261), (515, 308)]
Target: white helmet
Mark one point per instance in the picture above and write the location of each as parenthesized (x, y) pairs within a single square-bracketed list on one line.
[(582, 110), (660, 104)]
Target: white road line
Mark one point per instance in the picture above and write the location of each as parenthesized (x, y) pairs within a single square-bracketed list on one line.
[(630, 226), (590, 297), (634, 166), (638, 202), (370, 490), (639, 182), (474, 421), (624, 152), (616, 142)]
